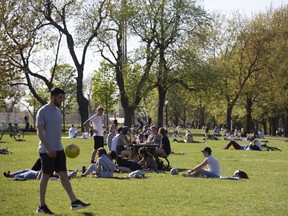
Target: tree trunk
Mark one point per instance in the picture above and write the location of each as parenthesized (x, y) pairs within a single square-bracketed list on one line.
[(161, 96), (128, 115), (229, 116), (274, 125), (285, 126), (264, 123), (249, 121)]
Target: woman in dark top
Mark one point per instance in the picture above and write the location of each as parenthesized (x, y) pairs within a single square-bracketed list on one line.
[(165, 147)]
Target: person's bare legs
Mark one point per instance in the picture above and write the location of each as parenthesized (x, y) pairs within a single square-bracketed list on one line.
[(43, 187), (67, 186), (93, 155)]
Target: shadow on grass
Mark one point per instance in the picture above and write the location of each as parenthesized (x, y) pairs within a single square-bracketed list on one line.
[(88, 214)]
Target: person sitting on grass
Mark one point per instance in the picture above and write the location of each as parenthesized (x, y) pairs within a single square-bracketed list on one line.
[(254, 145), (188, 138), (104, 167), (147, 160), (124, 164), (213, 170), (73, 132)]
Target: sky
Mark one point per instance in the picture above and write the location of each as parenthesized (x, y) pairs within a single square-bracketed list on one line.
[(248, 7)]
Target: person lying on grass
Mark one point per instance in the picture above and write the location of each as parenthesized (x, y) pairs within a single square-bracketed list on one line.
[(254, 145), (213, 170), (30, 174)]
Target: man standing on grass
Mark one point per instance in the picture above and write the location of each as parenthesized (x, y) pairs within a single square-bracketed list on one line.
[(212, 163), (95, 124), (48, 122)]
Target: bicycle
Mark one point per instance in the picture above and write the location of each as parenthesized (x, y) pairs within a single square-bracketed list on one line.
[(16, 133)]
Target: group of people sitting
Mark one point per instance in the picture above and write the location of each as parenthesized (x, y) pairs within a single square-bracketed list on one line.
[(125, 155)]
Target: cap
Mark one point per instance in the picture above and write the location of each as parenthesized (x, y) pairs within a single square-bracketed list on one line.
[(125, 128), (207, 149)]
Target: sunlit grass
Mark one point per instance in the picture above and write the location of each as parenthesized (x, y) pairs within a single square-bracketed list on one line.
[(265, 193)]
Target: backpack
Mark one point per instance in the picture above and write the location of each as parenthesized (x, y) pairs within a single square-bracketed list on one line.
[(240, 174)]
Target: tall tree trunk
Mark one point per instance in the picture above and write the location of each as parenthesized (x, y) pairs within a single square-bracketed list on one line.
[(285, 126), (229, 117), (274, 125), (249, 121), (264, 123), (161, 96)]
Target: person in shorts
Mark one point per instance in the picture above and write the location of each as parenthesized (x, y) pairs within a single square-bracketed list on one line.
[(212, 163), (95, 124), (53, 158)]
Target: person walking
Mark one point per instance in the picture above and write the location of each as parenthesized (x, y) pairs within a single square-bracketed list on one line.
[(95, 124), (53, 158)]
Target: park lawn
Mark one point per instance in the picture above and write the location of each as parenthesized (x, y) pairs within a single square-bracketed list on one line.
[(265, 193)]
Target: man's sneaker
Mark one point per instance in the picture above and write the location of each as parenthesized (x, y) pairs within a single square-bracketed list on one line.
[(78, 204), (44, 210)]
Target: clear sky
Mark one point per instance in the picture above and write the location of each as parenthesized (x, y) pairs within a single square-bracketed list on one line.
[(248, 7)]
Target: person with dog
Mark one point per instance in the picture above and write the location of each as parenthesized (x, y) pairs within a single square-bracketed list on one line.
[(48, 122), (212, 163), (95, 124)]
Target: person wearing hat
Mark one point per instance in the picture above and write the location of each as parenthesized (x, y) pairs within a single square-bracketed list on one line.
[(212, 163), (122, 147)]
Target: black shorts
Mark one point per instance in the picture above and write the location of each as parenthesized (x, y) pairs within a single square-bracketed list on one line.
[(51, 164), (98, 142)]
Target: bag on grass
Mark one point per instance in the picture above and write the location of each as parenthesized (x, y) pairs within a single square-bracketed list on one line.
[(240, 174)]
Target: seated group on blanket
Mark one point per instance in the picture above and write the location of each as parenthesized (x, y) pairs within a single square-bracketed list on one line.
[(125, 156)]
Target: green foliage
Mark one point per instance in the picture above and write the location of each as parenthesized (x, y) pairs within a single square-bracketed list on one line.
[(65, 78), (159, 193), (104, 88)]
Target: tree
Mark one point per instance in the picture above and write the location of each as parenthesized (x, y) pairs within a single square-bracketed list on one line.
[(104, 89), (172, 24), (131, 72), (65, 78), (89, 16)]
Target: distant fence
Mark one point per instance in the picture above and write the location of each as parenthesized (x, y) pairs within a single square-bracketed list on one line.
[(18, 117)]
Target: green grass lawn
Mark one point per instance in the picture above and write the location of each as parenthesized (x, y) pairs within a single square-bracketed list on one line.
[(265, 193)]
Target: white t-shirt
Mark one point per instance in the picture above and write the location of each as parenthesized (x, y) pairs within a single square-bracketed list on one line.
[(114, 142), (72, 132), (97, 124), (213, 165)]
